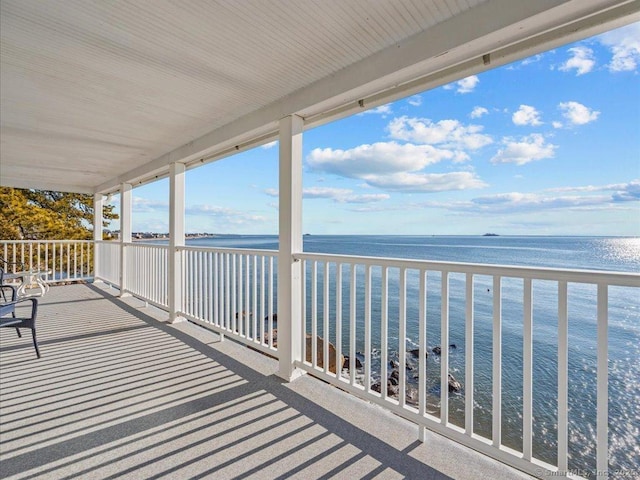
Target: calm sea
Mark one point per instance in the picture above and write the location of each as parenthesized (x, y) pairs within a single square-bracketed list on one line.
[(590, 253)]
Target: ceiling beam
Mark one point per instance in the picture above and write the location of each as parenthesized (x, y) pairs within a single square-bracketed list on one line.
[(19, 182)]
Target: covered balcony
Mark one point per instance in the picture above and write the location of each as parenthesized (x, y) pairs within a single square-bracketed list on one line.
[(175, 361), (119, 393)]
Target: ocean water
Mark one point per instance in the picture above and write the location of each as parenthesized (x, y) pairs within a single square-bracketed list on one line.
[(589, 253)]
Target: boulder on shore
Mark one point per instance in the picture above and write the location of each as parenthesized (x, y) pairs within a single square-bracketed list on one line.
[(273, 319), (411, 395), (416, 352), (346, 364), (394, 377), (438, 351), (319, 348), (274, 334), (320, 353), (392, 390), (454, 385)]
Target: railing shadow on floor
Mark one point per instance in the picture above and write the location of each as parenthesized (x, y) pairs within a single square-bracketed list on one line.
[(325, 433)]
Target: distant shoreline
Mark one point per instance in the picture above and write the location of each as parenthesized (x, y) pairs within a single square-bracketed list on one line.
[(227, 235), (188, 237)]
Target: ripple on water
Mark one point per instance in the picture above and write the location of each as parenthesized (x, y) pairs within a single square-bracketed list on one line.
[(622, 251)]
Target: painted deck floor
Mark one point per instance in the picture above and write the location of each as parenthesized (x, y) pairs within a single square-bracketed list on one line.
[(119, 393)]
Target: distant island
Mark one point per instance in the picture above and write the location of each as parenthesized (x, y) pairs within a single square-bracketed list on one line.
[(490, 235)]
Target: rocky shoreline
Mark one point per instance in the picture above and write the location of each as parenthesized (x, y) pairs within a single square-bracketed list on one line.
[(393, 379)]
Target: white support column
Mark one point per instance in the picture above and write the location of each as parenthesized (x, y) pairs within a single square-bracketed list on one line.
[(290, 279), (176, 239), (125, 233), (98, 203)]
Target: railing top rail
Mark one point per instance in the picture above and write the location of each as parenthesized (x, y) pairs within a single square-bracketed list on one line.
[(191, 248), (577, 276), (146, 245), (2, 242), (240, 251)]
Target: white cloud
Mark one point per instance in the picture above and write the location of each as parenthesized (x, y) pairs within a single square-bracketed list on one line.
[(151, 225), (629, 192), (211, 210), (139, 204), (338, 195), (478, 112), (401, 166), (447, 133), (343, 195), (325, 192), (517, 202), (382, 158), (392, 166), (514, 201), (528, 149), (383, 110), (533, 59), (365, 198), (621, 192), (557, 124), (466, 85), (426, 182), (577, 113), (624, 44), (270, 144), (582, 60), (224, 214), (415, 100), (376, 209), (526, 115)]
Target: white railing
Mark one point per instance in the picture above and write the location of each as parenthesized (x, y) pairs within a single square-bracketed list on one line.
[(387, 315), (108, 262), (365, 307), (58, 260), (147, 272), (232, 291)]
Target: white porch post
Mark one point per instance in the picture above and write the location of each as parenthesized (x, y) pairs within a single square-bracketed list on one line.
[(290, 231), (98, 203), (125, 232), (176, 239)]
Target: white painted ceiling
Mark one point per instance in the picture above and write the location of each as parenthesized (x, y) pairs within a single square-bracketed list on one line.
[(95, 92)]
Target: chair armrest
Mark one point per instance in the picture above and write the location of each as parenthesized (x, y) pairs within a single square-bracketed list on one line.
[(34, 304), (14, 292)]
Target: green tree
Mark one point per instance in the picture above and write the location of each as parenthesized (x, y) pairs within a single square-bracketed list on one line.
[(48, 215)]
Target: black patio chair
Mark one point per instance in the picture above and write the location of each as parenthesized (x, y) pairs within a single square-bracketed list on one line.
[(18, 322), (4, 267)]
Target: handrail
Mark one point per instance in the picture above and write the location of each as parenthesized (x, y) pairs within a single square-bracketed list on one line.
[(367, 304), (59, 260), (239, 251), (622, 279), (44, 241)]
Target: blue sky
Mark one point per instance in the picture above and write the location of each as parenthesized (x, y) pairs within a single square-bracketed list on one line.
[(545, 146)]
